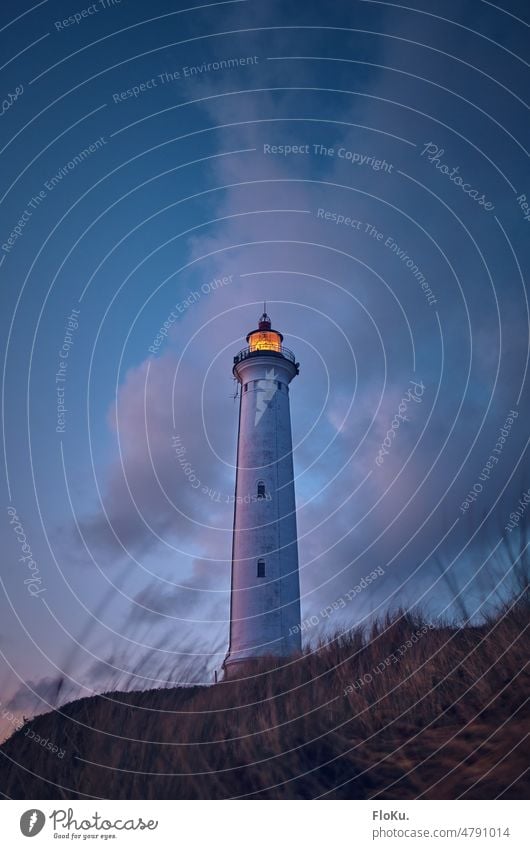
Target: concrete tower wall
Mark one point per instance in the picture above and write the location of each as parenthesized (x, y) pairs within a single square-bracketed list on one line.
[(264, 610)]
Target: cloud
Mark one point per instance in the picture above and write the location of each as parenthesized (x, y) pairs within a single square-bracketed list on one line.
[(147, 498), (352, 310)]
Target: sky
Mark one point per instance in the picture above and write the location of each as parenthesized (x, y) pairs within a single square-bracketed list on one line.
[(362, 167)]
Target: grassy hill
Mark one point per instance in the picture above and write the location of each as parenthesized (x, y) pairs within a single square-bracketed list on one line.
[(403, 711)]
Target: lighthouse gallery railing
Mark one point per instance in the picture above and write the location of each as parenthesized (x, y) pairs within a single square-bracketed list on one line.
[(247, 352)]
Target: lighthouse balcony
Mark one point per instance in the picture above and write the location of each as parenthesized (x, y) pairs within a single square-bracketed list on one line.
[(277, 351)]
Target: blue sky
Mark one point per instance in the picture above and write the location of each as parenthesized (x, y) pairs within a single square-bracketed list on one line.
[(190, 183)]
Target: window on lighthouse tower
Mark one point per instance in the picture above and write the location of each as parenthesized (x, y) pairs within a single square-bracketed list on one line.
[(261, 568), (261, 489)]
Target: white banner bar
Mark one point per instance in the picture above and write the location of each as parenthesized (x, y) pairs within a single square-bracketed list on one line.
[(254, 825)]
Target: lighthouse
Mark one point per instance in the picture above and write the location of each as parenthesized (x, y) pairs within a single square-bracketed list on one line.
[(265, 591)]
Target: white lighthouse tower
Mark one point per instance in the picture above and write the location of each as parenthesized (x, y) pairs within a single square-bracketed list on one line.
[(265, 595)]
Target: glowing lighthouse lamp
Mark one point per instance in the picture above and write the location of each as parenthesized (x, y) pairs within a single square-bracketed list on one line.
[(265, 593)]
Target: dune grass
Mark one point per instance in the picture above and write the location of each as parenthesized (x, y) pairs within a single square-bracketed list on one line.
[(404, 710)]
